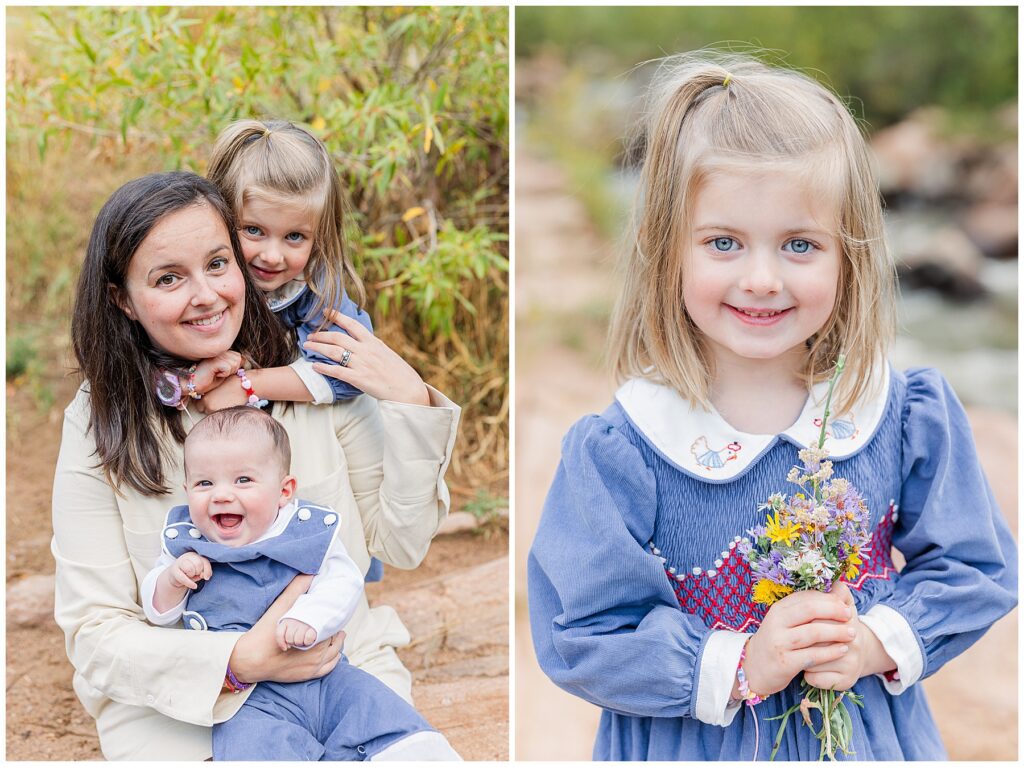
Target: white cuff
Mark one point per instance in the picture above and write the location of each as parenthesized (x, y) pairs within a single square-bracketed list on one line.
[(899, 642), (147, 594), (423, 746), (322, 392), (438, 403), (716, 677)]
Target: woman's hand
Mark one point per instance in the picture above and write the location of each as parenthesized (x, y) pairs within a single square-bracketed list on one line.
[(257, 658), (804, 630), (372, 365)]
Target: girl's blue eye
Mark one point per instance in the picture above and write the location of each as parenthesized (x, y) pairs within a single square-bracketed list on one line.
[(203, 483), (252, 231), (244, 480), (723, 244), (295, 236), (801, 247)]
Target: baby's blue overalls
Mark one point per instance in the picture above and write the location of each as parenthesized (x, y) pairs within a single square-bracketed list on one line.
[(344, 716)]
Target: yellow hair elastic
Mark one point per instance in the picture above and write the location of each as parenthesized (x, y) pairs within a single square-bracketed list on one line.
[(726, 81)]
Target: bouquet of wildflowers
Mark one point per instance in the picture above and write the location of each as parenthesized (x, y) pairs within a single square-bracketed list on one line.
[(809, 541)]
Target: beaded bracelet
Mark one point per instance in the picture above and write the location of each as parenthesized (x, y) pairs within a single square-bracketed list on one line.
[(191, 383), (751, 698), (168, 387), (253, 400), (232, 684)]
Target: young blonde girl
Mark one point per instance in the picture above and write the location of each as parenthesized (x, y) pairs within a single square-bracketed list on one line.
[(758, 257), (281, 182), (287, 200)]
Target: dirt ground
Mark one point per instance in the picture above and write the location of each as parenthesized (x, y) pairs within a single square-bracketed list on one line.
[(563, 294), (460, 669)]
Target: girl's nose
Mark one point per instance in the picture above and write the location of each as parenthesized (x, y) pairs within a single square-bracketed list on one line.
[(271, 256), (761, 275)]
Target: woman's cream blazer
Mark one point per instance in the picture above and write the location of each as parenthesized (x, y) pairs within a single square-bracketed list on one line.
[(155, 692)]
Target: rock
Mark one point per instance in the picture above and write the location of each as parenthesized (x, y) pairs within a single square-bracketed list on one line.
[(993, 227), (458, 522), (465, 612), (993, 176), (934, 255), (912, 160), (30, 601)]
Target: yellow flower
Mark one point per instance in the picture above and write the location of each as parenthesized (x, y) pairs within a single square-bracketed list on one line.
[(853, 563), (767, 592), (781, 532)]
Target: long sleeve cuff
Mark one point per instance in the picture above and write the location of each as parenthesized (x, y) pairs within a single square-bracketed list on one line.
[(322, 392), (718, 662), (900, 642), (418, 438)]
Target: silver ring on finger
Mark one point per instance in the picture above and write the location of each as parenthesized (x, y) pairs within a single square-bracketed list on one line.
[(345, 357)]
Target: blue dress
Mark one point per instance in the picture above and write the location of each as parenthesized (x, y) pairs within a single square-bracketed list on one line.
[(298, 312), (347, 715), (633, 574)]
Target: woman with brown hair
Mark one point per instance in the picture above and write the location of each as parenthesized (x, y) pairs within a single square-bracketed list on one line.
[(164, 285)]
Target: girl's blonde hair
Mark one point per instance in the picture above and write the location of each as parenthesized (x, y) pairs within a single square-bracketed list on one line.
[(707, 111), (278, 161)]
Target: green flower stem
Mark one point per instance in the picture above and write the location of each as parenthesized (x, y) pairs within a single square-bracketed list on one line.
[(840, 364)]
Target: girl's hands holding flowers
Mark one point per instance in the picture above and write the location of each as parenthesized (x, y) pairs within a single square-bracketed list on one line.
[(806, 629), (866, 656), (371, 365)]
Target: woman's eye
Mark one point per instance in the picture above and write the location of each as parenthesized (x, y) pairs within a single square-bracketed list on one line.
[(167, 280), (800, 246), (724, 244), (218, 263), (295, 236)]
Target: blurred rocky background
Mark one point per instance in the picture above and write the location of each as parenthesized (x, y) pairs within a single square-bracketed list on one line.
[(936, 90)]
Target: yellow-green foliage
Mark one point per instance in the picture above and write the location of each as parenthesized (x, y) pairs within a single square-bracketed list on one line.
[(411, 102)]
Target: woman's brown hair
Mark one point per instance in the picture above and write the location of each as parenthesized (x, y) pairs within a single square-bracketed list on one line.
[(115, 356)]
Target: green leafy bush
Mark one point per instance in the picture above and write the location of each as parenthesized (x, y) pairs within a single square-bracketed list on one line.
[(411, 102)]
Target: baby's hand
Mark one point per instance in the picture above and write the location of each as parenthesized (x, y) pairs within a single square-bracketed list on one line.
[(293, 633), (188, 570), (210, 370)]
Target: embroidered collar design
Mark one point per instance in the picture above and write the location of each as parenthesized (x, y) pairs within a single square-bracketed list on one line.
[(279, 298), (702, 443)]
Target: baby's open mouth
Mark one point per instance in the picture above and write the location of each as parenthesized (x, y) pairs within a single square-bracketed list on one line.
[(227, 521)]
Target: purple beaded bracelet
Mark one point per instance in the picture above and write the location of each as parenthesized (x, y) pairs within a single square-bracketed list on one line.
[(232, 683)]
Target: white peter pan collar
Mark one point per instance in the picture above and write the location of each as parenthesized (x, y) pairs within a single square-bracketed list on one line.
[(703, 444), (280, 297)]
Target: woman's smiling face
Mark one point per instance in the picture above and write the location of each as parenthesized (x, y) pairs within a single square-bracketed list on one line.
[(184, 285)]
